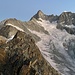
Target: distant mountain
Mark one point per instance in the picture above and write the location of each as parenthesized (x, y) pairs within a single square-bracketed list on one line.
[(43, 16), (45, 45)]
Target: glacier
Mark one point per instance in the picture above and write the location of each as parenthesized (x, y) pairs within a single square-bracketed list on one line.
[(55, 47)]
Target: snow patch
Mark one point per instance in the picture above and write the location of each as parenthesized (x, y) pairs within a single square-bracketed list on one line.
[(70, 26), (65, 11), (10, 38)]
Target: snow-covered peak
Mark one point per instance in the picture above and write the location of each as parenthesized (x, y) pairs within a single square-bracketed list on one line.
[(65, 11)]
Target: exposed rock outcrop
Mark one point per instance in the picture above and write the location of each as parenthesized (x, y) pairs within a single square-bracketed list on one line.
[(65, 18), (39, 14), (43, 16), (20, 56)]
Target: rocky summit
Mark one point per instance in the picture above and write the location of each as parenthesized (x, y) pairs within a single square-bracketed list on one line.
[(45, 45)]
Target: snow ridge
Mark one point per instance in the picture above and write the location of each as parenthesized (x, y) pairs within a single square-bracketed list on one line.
[(9, 24)]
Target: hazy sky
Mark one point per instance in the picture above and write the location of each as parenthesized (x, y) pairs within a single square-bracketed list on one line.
[(25, 9)]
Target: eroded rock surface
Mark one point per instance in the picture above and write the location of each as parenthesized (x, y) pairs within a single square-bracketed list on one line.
[(20, 56)]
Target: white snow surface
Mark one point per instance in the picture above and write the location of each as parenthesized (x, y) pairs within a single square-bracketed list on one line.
[(18, 28), (70, 26), (10, 38), (51, 47)]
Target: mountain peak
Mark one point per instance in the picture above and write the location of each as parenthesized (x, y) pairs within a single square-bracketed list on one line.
[(39, 14), (66, 12), (66, 18)]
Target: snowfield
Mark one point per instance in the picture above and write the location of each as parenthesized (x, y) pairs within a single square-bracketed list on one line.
[(55, 48)]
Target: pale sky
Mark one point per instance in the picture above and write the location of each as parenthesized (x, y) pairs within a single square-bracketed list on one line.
[(25, 9)]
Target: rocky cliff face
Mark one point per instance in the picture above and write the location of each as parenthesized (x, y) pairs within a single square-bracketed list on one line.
[(67, 21), (43, 16)]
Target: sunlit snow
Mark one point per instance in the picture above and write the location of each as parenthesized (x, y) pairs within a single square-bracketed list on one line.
[(10, 38), (9, 24), (70, 26)]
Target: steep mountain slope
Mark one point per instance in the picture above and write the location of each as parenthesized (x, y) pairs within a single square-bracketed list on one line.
[(54, 36), (19, 54)]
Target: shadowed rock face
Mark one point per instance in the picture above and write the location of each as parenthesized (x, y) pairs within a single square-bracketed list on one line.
[(21, 56), (67, 18)]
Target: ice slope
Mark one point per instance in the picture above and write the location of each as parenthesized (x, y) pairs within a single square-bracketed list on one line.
[(54, 47)]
